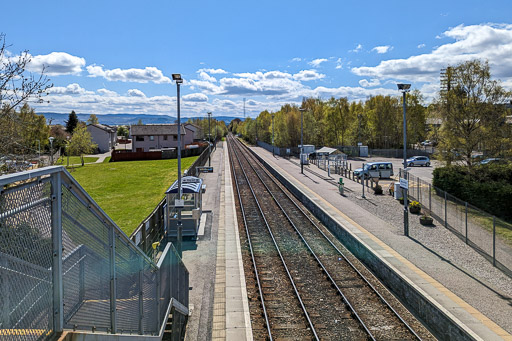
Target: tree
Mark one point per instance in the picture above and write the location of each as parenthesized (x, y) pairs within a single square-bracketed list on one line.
[(17, 85), (72, 122), (123, 131), (93, 119), (473, 112), (81, 143)]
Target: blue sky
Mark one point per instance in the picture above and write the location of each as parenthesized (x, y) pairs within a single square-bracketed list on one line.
[(118, 56)]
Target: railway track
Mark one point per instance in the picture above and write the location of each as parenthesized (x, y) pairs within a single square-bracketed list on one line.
[(303, 285)]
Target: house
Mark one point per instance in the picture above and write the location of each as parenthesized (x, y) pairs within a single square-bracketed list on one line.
[(103, 135), (146, 137), (198, 131)]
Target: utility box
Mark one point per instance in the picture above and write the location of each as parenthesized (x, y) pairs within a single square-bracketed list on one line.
[(363, 151), (398, 190), (304, 159)]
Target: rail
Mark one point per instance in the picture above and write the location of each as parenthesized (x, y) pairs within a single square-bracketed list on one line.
[(65, 265)]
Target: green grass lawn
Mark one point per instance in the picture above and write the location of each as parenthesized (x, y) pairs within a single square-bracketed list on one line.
[(129, 191), (75, 160)]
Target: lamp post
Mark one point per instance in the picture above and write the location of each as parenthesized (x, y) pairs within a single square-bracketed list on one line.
[(209, 140), (51, 138), (405, 88), (301, 140), (273, 154), (179, 204), (67, 149)]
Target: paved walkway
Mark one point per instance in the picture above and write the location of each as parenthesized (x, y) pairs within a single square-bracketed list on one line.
[(218, 299), (459, 280)]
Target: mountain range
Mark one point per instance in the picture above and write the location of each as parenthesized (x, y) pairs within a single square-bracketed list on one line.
[(124, 119)]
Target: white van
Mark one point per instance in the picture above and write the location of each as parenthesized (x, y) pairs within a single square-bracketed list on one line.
[(375, 170)]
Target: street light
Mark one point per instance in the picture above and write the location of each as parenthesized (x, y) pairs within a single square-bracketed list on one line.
[(405, 88), (273, 154), (209, 140), (178, 204), (51, 138), (301, 140), (67, 148)]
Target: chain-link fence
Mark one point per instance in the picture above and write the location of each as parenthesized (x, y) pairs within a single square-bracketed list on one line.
[(490, 236), (64, 264)]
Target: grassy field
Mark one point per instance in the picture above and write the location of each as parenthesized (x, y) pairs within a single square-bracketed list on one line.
[(75, 160), (129, 191)]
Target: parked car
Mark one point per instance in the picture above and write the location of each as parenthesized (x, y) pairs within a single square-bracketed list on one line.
[(418, 161), (375, 170), (427, 143), (492, 160)]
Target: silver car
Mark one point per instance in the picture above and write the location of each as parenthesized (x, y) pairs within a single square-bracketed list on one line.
[(418, 161)]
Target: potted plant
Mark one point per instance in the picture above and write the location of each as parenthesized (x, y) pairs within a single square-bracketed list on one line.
[(377, 189), (415, 207), (401, 199), (426, 219)]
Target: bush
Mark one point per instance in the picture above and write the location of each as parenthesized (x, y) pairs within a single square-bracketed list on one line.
[(488, 187)]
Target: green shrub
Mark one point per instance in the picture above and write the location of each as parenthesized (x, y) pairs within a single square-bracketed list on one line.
[(488, 187)]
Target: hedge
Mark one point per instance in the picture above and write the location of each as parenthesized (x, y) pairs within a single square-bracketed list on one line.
[(488, 187)]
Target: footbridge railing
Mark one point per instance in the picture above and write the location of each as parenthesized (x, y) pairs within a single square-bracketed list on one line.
[(65, 265)]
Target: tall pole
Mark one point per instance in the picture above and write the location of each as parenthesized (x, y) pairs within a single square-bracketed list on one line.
[(209, 141), (273, 154), (180, 227), (406, 212), (301, 141)]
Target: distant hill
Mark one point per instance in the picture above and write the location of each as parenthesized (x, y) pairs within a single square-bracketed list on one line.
[(123, 119)]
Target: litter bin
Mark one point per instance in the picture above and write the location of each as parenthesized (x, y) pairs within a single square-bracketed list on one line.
[(398, 190), (341, 185)]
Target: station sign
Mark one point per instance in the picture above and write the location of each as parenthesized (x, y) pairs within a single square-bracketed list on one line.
[(204, 169), (404, 183)]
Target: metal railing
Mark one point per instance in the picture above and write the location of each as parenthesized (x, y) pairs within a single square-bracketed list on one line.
[(487, 234), (64, 264)]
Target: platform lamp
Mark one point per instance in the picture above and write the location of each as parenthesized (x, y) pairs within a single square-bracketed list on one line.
[(273, 153), (301, 139), (405, 88), (179, 204), (209, 140), (51, 138)]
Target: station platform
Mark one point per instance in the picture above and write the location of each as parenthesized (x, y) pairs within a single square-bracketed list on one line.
[(218, 297), (463, 285)]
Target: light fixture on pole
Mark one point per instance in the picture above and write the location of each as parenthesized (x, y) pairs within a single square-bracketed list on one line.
[(405, 88), (301, 140), (273, 154), (209, 141), (51, 138), (178, 202), (67, 149)]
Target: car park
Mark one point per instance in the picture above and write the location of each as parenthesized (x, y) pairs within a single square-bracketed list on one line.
[(418, 161), (375, 170)]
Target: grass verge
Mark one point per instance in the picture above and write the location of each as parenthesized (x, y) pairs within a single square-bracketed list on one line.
[(129, 191), (75, 160)]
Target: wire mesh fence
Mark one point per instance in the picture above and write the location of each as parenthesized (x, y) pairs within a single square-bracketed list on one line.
[(490, 236), (65, 265)]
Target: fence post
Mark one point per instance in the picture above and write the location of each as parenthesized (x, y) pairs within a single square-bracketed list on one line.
[(418, 189), (445, 211), (494, 241), (58, 291), (113, 284), (430, 198), (141, 298), (466, 204)]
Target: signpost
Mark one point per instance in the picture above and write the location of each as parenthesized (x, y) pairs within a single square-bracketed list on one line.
[(204, 169), (404, 183)]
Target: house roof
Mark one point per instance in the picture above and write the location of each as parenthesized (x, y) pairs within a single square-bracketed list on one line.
[(156, 129), (103, 127)]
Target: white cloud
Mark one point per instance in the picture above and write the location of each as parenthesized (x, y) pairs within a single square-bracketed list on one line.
[(308, 75), (197, 97), (317, 62), (148, 74), (372, 83), (420, 46), (213, 71), (382, 49), (339, 64), (106, 92), (206, 77), (56, 63), (71, 89), (135, 93), (358, 48), (492, 42), (204, 85), (296, 59)]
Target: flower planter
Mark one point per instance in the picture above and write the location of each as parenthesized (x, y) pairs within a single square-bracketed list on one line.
[(415, 209), (377, 190), (424, 220)]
